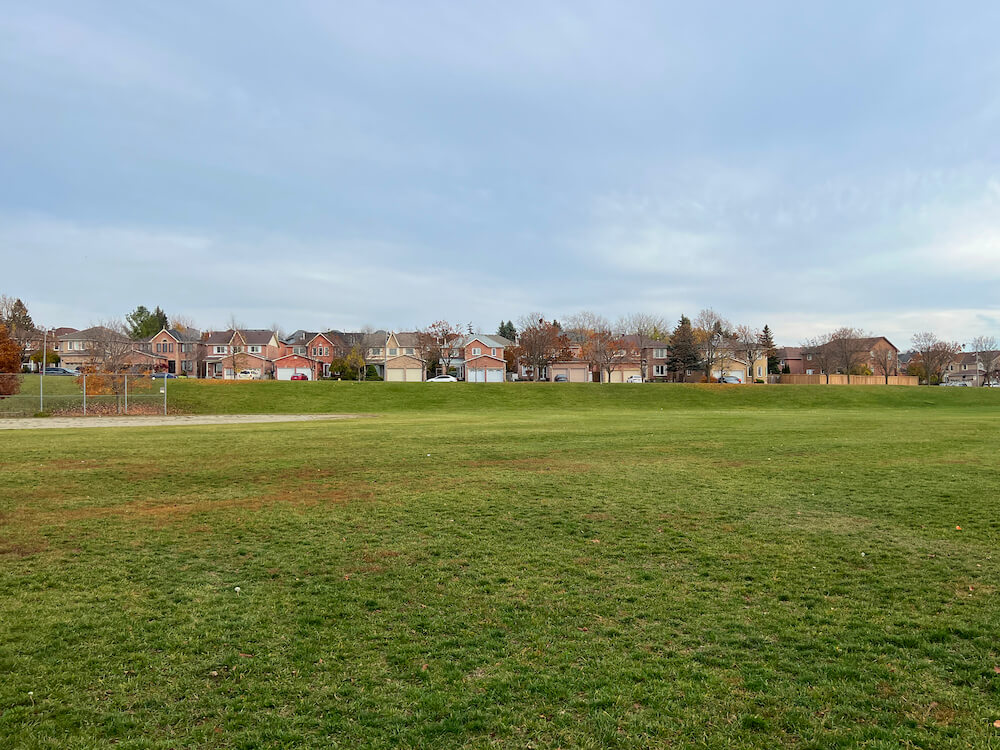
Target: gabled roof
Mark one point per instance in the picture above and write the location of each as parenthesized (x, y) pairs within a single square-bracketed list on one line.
[(298, 336), (491, 340), (250, 336), (186, 336), (92, 333)]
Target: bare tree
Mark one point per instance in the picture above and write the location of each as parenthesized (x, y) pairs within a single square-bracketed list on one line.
[(182, 323), (603, 346), (435, 343), (749, 344), (934, 354), (816, 351), (540, 343), (645, 329), (847, 349), (712, 335), (884, 359), (987, 357)]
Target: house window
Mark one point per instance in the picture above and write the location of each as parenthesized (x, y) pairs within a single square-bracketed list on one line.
[(454, 352), (158, 348), (170, 348), (659, 353), (186, 365), (255, 350), (660, 371), (493, 352), (314, 351), (220, 350), (326, 351), (476, 352), (809, 372), (376, 350), (393, 352), (298, 350), (810, 358), (759, 373), (408, 350)]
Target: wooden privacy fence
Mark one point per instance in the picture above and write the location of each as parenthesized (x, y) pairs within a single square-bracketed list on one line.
[(837, 379)]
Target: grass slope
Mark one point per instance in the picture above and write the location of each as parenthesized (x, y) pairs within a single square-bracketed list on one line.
[(518, 567), (244, 397)]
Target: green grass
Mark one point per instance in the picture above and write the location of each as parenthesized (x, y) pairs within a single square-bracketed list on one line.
[(510, 566)]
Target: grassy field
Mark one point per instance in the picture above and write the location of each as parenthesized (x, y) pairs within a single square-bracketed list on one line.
[(509, 566)]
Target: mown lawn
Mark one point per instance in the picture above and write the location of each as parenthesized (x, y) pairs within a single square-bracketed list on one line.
[(509, 566)]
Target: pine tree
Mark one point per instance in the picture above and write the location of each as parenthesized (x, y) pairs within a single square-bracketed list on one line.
[(770, 351), (683, 349), (507, 330), (143, 324)]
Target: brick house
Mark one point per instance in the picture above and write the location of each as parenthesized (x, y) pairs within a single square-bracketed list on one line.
[(240, 354), (874, 353), (100, 348), (181, 351), (482, 358)]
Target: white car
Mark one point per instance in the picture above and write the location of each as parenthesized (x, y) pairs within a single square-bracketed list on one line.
[(634, 379), (443, 379)]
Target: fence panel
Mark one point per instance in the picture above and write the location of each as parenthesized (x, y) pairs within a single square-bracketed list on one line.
[(96, 394), (787, 379)]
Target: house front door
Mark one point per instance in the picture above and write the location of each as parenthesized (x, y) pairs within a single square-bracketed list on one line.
[(172, 366)]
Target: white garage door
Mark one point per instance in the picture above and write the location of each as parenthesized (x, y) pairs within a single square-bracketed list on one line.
[(395, 374), (285, 373), (412, 375), (474, 375), (494, 375)]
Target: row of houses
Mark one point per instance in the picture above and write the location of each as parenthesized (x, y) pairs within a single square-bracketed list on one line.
[(391, 355)]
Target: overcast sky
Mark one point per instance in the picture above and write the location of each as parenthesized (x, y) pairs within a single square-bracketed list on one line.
[(335, 164)]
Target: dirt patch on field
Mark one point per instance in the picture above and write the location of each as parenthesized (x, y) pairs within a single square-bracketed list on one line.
[(530, 464), (161, 512)]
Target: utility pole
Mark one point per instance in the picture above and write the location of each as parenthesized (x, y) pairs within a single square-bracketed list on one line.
[(41, 380)]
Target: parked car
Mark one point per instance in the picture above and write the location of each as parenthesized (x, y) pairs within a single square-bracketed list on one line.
[(443, 379), (560, 379), (299, 376), (634, 379), (60, 371), (730, 379), (164, 375)]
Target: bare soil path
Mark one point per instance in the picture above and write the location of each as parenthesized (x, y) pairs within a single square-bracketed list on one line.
[(172, 421)]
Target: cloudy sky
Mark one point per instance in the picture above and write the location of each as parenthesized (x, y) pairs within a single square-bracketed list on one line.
[(335, 164)]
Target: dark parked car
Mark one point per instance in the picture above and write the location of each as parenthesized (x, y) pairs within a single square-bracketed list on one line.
[(163, 375), (730, 379), (560, 379), (60, 371)]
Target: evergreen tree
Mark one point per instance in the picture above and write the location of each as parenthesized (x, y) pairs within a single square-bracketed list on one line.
[(507, 330), (770, 351), (683, 352), (14, 315), (143, 324)]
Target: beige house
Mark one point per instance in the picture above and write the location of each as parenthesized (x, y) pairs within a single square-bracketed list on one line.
[(402, 362)]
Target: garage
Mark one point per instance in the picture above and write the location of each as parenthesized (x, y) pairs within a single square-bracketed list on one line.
[(404, 370), (285, 373), (291, 364), (484, 375)]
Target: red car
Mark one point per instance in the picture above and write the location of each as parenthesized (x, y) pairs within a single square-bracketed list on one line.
[(299, 376)]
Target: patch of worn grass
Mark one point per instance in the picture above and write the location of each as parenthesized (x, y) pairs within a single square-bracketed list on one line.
[(607, 575)]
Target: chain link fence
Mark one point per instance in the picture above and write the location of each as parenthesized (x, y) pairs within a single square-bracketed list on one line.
[(93, 394)]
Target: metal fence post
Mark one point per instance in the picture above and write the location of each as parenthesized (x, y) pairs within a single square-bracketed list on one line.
[(84, 394), (125, 382), (164, 394)]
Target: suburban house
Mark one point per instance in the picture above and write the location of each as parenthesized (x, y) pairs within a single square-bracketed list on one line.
[(31, 342), (177, 351), (974, 368), (402, 361), (309, 352), (240, 353), (100, 348), (791, 361), (874, 354), (482, 358)]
